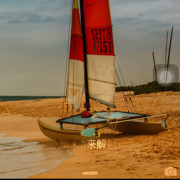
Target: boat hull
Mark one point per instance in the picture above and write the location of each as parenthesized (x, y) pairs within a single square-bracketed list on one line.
[(60, 135), (139, 127)]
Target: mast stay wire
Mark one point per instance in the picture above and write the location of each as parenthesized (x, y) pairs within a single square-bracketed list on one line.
[(67, 58), (118, 78), (119, 82)]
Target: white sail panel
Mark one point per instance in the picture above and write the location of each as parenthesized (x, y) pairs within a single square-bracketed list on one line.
[(75, 83), (101, 78)]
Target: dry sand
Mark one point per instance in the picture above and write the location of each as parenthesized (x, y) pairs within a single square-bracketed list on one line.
[(125, 156)]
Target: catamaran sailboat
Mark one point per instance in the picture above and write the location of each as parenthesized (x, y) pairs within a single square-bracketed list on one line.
[(91, 68)]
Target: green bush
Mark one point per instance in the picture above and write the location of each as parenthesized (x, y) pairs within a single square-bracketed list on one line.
[(149, 88)]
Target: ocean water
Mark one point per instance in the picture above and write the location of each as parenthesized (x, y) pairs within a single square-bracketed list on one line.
[(19, 98), (19, 159)]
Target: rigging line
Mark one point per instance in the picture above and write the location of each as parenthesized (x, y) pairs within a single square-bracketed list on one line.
[(133, 104), (120, 70), (118, 78), (67, 57), (125, 101), (125, 85)]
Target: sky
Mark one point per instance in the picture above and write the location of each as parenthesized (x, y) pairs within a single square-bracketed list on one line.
[(34, 36)]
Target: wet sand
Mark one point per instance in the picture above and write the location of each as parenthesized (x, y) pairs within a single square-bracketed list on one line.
[(125, 156), (21, 159)]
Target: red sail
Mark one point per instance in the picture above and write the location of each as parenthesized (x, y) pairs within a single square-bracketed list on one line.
[(76, 45), (100, 51), (98, 27)]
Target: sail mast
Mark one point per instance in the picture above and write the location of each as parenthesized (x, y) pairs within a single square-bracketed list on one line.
[(87, 104), (169, 49), (155, 71), (166, 48)]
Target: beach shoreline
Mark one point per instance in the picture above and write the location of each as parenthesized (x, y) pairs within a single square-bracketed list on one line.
[(126, 156)]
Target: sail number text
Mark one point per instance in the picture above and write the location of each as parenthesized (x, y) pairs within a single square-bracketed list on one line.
[(102, 40)]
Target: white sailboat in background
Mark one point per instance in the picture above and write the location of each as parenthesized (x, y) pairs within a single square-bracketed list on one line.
[(91, 67)]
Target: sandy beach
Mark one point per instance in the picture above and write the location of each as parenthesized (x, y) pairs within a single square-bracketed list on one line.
[(125, 156)]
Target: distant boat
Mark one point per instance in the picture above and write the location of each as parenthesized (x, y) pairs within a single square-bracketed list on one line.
[(91, 67)]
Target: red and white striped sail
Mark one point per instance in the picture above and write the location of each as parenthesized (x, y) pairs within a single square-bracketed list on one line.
[(100, 51), (75, 80)]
